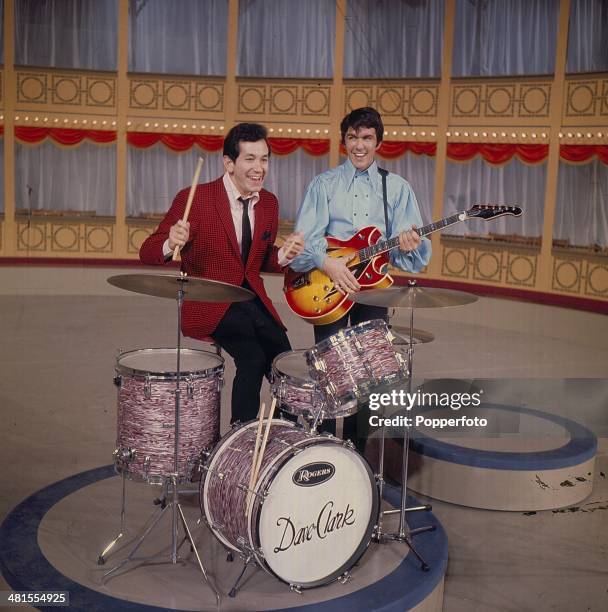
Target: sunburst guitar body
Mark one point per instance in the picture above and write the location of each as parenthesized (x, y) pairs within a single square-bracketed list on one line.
[(312, 295)]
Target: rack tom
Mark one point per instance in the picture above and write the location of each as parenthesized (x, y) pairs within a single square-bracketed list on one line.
[(351, 363)]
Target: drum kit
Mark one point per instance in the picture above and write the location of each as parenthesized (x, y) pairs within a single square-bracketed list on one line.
[(304, 506)]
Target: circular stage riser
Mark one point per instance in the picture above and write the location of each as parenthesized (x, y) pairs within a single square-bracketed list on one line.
[(515, 490)]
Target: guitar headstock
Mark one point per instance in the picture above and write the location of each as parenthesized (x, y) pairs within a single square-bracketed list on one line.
[(491, 211)]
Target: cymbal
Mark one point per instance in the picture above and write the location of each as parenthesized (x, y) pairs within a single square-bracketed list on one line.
[(168, 285), (402, 335), (413, 297)]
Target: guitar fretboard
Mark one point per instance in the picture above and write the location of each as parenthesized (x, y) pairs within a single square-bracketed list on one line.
[(388, 245)]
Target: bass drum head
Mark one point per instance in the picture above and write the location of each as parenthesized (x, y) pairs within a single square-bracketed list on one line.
[(319, 514)]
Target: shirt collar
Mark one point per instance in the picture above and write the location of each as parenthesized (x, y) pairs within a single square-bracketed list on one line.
[(350, 171), (234, 195)]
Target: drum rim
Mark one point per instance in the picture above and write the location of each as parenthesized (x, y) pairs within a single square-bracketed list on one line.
[(344, 334), (276, 374), (124, 370), (256, 509), (203, 489)]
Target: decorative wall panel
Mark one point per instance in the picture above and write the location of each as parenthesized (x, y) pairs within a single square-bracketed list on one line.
[(136, 235), (507, 100), (176, 96), (586, 101), (395, 100), (283, 100), (70, 90), (64, 237), (489, 263), (580, 274)]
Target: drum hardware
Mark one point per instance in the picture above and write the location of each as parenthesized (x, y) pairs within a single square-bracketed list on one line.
[(292, 456), (176, 287), (101, 559), (345, 578), (410, 297), (295, 588), (147, 462), (148, 388), (247, 560)]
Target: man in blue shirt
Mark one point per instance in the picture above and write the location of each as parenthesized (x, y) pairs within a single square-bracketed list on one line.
[(342, 201), (347, 198)]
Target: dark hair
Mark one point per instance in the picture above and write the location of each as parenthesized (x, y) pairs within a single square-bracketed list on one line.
[(243, 132), (366, 117)]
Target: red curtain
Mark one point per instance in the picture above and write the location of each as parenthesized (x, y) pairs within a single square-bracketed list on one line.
[(458, 151), (175, 142), (497, 153), (64, 136), (393, 149), (583, 153), (312, 146)]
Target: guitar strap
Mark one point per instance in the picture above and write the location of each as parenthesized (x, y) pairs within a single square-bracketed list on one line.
[(384, 174)]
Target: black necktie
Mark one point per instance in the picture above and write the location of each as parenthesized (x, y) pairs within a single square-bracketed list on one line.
[(246, 233)]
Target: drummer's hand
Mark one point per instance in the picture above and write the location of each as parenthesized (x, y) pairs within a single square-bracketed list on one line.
[(344, 280), (179, 234), (410, 240), (293, 245)]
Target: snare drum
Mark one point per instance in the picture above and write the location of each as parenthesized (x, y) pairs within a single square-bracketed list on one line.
[(290, 382), (146, 380), (351, 363), (314, 509)]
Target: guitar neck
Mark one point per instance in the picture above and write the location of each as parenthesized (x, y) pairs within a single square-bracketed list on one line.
[(384, 246)]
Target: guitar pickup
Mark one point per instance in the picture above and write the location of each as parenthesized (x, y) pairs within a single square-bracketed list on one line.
[(300, 281)]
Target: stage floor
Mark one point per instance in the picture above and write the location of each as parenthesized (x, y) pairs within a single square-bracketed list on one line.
[(62, 328)]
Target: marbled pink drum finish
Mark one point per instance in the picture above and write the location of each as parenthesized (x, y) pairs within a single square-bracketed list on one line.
[(352, 362), (145, 443), (226, 475), (290, 382)]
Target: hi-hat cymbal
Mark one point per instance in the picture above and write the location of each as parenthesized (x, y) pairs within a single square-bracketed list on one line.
[(168, 286), (402, 335), (413, 297)]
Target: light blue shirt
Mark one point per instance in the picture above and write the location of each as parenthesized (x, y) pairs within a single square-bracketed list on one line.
[(343, 200)]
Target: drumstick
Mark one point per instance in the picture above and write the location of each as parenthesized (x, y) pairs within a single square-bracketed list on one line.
[(255, 453), (264, 441), (197, 173)]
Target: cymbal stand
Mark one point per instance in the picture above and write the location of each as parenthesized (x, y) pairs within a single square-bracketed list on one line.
[(404, 534), (172, 479)]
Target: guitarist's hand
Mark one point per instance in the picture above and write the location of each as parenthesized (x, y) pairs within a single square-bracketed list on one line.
[(409, 241), (344, 280)]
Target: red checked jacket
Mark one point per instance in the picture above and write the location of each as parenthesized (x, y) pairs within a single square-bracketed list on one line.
[(213, 252)]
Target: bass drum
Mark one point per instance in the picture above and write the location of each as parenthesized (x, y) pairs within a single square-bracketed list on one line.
[(314, 507)]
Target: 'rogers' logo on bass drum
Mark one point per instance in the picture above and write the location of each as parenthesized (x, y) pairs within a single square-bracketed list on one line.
[(313, 474)]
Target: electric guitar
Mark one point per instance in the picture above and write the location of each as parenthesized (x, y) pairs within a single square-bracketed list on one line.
[(312, 296)]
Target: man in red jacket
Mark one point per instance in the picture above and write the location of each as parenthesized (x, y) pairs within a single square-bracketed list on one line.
[(229, 237)]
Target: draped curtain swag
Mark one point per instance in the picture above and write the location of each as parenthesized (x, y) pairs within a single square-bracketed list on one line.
[(458, 151)]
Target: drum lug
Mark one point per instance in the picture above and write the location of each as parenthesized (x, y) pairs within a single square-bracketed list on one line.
[(117, 380), (345, 578), (220, 382), (189, 388), (148, 388), (358, 346), (295, 588), (147, 462), (348, 444)]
